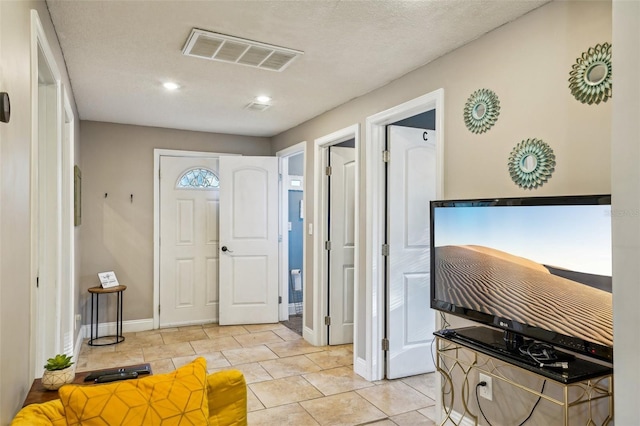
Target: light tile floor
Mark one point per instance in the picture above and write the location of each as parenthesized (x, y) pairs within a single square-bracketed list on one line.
[(290, 382)]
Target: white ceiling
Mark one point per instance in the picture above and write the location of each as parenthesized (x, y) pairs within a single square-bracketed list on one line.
[(118, 53)]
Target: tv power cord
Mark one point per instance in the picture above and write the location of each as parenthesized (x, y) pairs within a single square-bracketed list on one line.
[(483, 383), (543, 354)]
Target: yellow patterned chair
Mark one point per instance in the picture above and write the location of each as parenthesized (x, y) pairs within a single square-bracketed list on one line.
[(187, 396)]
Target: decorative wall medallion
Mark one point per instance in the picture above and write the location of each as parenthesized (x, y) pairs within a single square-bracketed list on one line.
[(481, 110), (531, 163), (590, 80)]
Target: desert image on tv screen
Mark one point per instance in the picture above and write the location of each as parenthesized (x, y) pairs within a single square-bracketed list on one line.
[(544, 266)]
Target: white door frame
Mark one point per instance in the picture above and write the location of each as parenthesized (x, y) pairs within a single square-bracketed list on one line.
[(157, 153), (318, 334), (284, 155), (372, 367), (68, 225), (45, 316)]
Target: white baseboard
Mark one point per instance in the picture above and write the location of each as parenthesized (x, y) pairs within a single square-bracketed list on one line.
[(309, 335), (360, 368), (78, 345), (109, 328)]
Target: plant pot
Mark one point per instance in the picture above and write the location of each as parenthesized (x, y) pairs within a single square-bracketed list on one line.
[(53, 380)]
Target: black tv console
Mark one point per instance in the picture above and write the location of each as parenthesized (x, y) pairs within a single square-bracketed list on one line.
[(582, 393), (491, 342)]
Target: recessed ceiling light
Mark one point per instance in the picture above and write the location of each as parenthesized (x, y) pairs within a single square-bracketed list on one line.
[(263, 99), (169, 85)]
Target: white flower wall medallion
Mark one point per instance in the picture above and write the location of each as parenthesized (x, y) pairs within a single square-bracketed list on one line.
[(531, 163), (481, 110), (590, 80)]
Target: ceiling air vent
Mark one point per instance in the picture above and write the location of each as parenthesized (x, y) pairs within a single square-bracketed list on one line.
[(225, 48), (255, 106)]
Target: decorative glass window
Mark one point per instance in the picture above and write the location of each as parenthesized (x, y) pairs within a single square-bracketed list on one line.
[(198, 178)]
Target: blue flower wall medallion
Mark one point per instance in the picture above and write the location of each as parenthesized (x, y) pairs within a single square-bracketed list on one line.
[(590, 80), (481, 110), (531, 163)]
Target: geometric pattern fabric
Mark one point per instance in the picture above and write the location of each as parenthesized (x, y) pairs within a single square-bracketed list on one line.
[(176, 398)]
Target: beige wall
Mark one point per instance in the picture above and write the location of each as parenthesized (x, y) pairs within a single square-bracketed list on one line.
[(117, 234), (16, 368), (527, 64), (625, 153)]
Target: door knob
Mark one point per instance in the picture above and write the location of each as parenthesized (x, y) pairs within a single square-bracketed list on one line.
[(225, 249)]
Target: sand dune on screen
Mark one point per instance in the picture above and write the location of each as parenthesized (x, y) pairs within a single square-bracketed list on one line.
[(498, 283)]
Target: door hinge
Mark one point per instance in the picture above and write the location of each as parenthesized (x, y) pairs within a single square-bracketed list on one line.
[(327, 320), (385, 344), (158, 309), (37, 282), (280, 177), (279, 300), (385, 249), (327, 245), (386, 156), (280, 238), (327, 171)]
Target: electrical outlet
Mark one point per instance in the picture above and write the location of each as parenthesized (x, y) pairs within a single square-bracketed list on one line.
[(77, 322), (486, 391)]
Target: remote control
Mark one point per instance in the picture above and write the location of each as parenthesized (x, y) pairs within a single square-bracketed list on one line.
[(140, 370), (118, 376)]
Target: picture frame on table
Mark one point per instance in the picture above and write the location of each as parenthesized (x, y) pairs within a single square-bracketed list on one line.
[(108, 279)]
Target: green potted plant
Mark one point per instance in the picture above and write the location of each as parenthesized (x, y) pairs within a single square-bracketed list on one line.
[(57, 372)]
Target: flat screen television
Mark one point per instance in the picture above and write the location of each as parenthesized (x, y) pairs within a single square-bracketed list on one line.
[(539, 267)]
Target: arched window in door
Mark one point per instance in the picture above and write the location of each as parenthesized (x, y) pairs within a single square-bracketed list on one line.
[(198, 178)]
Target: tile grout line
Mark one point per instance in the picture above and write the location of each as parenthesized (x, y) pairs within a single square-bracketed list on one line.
[(323, 362)]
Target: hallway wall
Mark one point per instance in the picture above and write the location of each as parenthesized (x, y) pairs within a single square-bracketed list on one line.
[(526, 63), (117, 233), (16, 369)]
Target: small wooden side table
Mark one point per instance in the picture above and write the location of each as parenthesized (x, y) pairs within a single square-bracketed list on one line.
[(37, 394), (95, 294)]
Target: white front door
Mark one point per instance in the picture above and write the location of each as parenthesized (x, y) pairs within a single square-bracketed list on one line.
[(411, 178), (248, 240), (342, 236), (188, 241)]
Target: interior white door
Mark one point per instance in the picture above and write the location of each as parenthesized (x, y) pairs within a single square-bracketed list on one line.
[(411, 179), (342, 237), (188, 243), (248, 240)]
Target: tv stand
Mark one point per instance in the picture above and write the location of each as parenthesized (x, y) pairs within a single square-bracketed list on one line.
[(582, 392)]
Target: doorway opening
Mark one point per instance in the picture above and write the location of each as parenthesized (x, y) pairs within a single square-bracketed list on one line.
[(292, 236), (211, 234), (336, 290), (410, 186), (189, 309), (52, 248), (369, 359)]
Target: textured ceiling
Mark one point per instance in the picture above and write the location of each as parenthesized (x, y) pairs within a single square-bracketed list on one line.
[(118, 53)]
